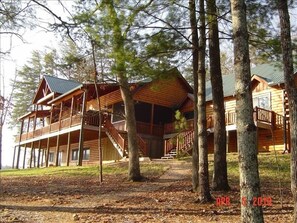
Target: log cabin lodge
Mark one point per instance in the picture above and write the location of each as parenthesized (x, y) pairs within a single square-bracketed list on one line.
[(63, 128)]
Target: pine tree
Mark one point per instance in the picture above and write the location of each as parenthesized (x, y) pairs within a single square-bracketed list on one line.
[(246, 129), (25, 86), (220, 180), (203, 188)]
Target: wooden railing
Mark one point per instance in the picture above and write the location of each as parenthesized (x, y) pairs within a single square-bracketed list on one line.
[(263, 115), (279, 120), (59, 125), (115, 134), (260, 115), (121, 141), (182, 142)]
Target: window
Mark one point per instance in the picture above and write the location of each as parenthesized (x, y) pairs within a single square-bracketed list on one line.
[(74, 155), (51, 157), (86, 154), (262, 101)]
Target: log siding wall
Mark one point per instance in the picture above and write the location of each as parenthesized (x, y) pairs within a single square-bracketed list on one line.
[(109, 152)]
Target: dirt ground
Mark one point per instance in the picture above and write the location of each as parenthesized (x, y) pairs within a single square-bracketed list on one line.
[(165, 198)]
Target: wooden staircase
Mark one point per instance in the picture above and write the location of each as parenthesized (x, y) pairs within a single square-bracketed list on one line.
[(120, 140), (181, 144)]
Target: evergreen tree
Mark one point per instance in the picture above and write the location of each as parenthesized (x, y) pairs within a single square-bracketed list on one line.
[(25, 86), (195, 49), (203, 188), (220, 180), (246, 129)]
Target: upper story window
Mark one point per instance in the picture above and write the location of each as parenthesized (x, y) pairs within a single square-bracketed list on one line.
[(262, 101)]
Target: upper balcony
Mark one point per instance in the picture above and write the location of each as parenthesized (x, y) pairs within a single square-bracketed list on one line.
[(263, 118), (39, 124)]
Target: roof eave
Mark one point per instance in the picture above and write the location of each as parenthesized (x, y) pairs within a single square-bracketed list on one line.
[(65, 94)]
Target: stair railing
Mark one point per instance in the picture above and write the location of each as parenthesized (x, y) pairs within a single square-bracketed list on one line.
[(115, 134), (185, 141)]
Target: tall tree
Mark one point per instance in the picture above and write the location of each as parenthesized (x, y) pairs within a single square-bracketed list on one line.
[(25, 86), (203, 188), (120, 69), (14, 17), (219, 180), (74, 63), (195, 48), (291, 89), (246, 129)]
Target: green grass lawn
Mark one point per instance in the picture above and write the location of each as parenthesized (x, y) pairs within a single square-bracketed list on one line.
[(148, 169), (270, 169)]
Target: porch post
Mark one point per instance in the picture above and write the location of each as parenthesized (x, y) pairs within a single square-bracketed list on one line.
[(18, 157), (48, 139), (28, 126), (57, 150), (34, 157), (68, 149), (34, 124), (60, 115), (31, 154), (81, 135), (47, 152), (71, 111), (19, 149), (24, 161), (38, 158), (13, 160)]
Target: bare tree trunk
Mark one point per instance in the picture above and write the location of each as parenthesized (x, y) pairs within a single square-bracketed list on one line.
[(195, 48), (134, 168), (246, 129), (291, 89), (203, 189), (219, 180), (96, 76)]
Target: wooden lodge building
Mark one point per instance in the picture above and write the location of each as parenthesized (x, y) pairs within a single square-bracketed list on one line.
[(63, 128)]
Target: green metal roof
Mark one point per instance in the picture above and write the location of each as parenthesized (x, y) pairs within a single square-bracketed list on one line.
[(60, 85), (271, 73)]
